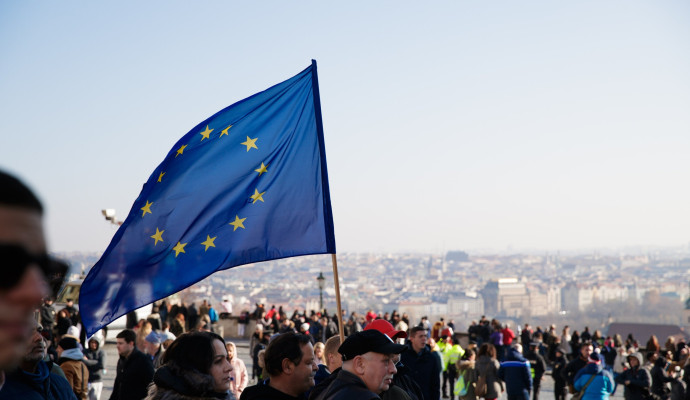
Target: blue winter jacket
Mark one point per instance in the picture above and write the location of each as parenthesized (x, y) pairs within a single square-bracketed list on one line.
[(41, 385), (515, 372), (601, 386)]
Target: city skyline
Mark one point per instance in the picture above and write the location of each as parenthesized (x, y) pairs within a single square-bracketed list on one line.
[(456, 126)]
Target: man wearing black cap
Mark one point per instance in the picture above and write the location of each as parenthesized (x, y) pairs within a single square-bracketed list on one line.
[(369, 359)]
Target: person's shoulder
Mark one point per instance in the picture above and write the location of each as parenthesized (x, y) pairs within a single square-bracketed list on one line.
[(262, 391)]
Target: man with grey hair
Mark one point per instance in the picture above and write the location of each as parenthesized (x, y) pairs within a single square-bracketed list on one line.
[(515, 372), (34, 378), (369, 359)]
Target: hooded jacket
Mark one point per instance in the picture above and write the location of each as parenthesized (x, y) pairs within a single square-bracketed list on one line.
[(515, 372), (467, 370), (171, 382), (600, 387), (95, 362), (76, 372), (239, 373), (39, 386), (640, 380)]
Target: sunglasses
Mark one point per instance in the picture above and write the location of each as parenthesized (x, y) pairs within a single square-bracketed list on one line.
[(16, 260)]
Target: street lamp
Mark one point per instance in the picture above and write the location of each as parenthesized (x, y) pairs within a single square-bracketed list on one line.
[(109, 215), (322, 283)]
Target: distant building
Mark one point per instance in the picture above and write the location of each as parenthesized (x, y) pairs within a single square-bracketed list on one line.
[(642, 332), (465, 307)]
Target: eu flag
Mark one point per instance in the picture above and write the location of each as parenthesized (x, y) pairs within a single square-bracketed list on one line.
[(248, 184)]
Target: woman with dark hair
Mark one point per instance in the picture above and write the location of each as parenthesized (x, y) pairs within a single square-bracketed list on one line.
[(196, 367), (487, 368)]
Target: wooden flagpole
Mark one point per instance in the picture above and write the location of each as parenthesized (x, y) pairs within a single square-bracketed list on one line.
[(337, 298)]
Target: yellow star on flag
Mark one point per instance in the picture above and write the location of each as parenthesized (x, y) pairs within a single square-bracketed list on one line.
[(257, 196), (225, 131), (209, 242), (146, 209), (250, 143), (261, 169), (179, 248), (237, 223), (206, 133), (181, 149), (160, 177), (158, 236)]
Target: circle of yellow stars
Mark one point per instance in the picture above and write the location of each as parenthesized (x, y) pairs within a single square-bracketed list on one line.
[(238, 223)]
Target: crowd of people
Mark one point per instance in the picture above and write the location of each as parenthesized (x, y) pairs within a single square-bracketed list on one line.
[(174, 353)]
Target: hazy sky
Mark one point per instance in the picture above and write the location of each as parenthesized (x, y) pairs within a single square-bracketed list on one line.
[(448, 125)]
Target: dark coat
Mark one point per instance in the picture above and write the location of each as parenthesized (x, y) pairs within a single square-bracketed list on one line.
[(537, 363), (347, 386), (660, 379), (39, 386), (568, 373), (640, 381), (262, 391), (515, 372), (134, 374), (488, 368), (425, 369)]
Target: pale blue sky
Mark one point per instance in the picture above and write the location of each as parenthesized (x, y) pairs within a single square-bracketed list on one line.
[(448, 125)]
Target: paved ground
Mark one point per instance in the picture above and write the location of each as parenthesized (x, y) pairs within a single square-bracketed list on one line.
[(243, 352)]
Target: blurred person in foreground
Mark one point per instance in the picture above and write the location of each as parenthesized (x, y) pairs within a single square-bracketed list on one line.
[(290, 365), (35, 378), (369, 359), (25, 268), (196, 366)]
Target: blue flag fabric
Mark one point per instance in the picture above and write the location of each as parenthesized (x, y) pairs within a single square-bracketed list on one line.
[(248, 184)]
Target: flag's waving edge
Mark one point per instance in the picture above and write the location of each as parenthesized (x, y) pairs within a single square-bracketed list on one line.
[(248, 184)]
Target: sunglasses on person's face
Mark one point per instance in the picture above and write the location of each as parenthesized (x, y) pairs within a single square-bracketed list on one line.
[(15, 260)]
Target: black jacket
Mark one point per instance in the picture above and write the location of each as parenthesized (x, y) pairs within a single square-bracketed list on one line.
[(263, 391), (537, 364), (41, 385), (640, 381), (660, 378), (134, 374), (425, 369), (347, 386), (568, 373)]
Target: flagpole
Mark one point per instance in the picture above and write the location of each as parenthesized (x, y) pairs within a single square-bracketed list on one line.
[(337, 298)]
